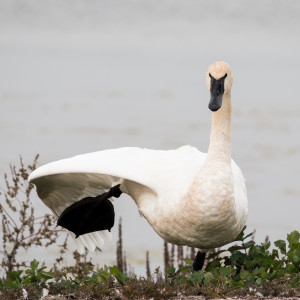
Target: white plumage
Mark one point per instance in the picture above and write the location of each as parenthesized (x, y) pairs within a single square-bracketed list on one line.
[(188, 197)]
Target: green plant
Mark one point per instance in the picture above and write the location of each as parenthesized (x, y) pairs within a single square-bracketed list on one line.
[(31, 276), (243, 265), (243, 269)]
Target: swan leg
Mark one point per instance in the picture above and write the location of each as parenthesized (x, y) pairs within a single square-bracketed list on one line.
[(90, 214), (199, 261)]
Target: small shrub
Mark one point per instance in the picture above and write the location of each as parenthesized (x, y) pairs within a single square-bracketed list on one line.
[(20, 226)]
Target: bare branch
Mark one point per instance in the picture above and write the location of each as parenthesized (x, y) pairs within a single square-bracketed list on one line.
[(9, 216), (21, 229)]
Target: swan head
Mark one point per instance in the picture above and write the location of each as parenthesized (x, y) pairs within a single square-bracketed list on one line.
[(218, 82)]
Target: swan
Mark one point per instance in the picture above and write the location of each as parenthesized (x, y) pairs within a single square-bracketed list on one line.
[(188, 197)]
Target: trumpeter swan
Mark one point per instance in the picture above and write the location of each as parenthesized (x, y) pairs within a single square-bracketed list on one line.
[(188, 197)]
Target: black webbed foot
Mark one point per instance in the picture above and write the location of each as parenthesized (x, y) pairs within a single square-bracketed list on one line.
[(199, 261), (90, 214)]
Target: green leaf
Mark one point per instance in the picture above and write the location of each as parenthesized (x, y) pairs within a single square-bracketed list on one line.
[(34, 264), (275, 253), (239, 283), (15, 275), (277, 264), (267, 262), (118, 275), (250, 265), (188, 261), (213, 265), (226, 271), (235, 248), (294, 255), (266, 245), (216, 254), (198, 276), (13, 280), (244, 274), (171, 271), (248, 235), (240, 237), (291, 268), (184, 269), (28, 279), (30, 271), (259, 249), (248, 245), (293, 239), (238, 258), (281, 245), (47, 275)]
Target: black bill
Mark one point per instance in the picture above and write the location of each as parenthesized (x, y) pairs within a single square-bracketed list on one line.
[(216, 93)]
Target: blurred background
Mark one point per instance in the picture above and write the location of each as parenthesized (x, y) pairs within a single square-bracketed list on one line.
[(82, 76)]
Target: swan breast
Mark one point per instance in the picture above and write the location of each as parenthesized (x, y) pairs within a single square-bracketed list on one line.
[(209, 215)]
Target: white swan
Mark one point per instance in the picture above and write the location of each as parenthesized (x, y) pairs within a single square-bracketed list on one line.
[(188, 197)]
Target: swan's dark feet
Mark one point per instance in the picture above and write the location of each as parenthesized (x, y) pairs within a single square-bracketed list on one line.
[(90, 214), (199, 261)]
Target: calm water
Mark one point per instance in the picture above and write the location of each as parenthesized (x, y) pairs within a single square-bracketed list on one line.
[(78, 77)]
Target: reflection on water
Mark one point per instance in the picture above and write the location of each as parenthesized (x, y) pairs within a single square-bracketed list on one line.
[(133, 75)]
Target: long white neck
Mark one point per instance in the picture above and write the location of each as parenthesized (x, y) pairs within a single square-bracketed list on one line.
[(220, 136)]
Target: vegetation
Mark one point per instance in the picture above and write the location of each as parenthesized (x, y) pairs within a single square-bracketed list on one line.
[(21, 229), (244, 269)]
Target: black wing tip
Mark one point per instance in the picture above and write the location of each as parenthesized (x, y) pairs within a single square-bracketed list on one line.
[(90, 214), (115, 191)]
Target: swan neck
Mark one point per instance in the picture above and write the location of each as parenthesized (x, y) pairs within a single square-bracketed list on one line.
[(220, 137)]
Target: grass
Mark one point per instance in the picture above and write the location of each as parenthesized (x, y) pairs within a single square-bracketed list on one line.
[(245, 269)]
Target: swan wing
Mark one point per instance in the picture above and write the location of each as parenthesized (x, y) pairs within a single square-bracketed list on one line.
[(64, 182)]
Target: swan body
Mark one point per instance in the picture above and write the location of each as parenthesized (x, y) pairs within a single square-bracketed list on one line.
[(188, 197)]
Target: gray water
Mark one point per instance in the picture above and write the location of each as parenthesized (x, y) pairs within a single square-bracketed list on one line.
[(81, 76)]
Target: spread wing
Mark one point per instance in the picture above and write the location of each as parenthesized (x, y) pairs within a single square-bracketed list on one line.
[(62, 183)]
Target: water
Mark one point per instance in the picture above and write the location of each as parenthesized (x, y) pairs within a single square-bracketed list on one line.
[(78, 77)]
